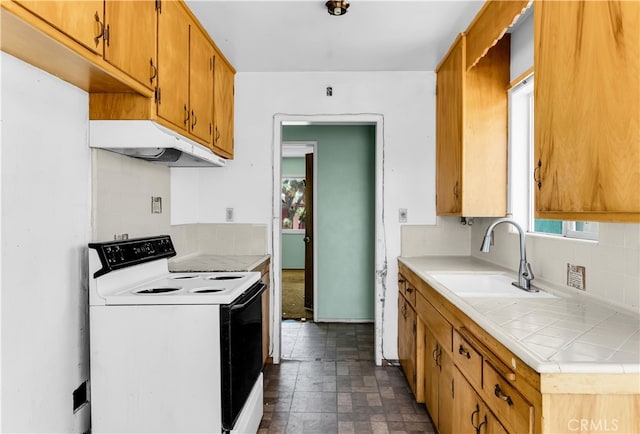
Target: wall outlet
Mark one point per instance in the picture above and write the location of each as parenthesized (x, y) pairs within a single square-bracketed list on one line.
[(576, 276), (402, 215), (156, 205), (229, 214)]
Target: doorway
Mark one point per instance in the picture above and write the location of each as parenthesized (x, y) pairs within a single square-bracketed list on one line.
[(297, 193), (374, 246)]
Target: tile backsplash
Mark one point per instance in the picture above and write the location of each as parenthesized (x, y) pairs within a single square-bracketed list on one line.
[(612, 263)]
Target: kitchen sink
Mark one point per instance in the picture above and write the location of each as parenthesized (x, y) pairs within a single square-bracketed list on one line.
[(494, 285)]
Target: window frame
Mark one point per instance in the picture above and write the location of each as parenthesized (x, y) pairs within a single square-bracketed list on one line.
[(523, 210)]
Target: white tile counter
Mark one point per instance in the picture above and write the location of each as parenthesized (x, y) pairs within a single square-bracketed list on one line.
[(572, 333), (210, 263)]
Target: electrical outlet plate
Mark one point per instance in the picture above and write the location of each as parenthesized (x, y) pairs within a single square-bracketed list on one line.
[(156, 205), (576, 276), (229, 214)]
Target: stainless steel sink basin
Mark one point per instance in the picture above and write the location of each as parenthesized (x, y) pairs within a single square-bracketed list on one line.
[(473, 285)]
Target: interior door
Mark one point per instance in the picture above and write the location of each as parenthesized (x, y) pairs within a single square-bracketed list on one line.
[(308, 233)]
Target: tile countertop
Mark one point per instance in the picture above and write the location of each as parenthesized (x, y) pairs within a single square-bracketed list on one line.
[(571, 333), (209, 263)]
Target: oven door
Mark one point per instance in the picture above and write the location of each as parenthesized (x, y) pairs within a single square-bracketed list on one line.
[(241, 353)]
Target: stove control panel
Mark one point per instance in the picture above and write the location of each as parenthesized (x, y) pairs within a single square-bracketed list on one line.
[(120, 254)]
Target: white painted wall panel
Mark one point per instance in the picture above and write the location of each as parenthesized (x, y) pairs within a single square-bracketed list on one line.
[(46, 184)]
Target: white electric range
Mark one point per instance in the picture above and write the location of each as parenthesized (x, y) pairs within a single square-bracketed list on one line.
[(172, 352)]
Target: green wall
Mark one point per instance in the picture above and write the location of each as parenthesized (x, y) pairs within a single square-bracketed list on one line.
[(292, 243), (345, 227)]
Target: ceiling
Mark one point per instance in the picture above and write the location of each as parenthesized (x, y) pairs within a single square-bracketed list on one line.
[(299, 35)]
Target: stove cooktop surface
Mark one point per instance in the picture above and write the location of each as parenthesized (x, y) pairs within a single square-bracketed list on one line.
[(186, 288)]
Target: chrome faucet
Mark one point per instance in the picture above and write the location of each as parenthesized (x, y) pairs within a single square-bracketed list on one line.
[(525, 274)]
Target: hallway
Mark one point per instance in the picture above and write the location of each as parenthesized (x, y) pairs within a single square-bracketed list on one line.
[(328, 383)]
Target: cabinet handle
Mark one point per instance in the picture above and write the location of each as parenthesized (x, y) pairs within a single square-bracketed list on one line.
[(464, 352), (506, 398), (217, 134), (404, 311), (186, 115), (455, 192), (484, 422), (101, 32), (194, 118), (409, 289), (401, 281), (537, 179), (476, 411), (154, 71)]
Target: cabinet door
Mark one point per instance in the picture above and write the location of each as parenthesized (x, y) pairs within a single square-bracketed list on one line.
[(223, 107), (449, 131), (80, 20), (173, 64), (470, 413), (445, 394), (201, 85), (587, 110), (432, 354), (131, 43), (407, 340)]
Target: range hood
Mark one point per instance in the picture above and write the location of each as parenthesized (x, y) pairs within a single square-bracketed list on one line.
[(150, 141)]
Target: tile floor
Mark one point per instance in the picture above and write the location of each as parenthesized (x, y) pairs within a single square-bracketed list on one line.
[(328, 383)]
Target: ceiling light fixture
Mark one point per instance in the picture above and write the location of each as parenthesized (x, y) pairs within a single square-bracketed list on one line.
[(337, 7)]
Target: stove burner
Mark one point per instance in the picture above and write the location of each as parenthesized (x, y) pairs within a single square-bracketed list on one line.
[(208, 290), (189, 276), (157, 290), (224, 277)]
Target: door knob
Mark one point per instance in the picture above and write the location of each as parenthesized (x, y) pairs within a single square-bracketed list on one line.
[(306, 240)]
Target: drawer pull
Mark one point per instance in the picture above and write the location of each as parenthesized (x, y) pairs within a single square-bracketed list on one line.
[(464, 352), (506, 398)]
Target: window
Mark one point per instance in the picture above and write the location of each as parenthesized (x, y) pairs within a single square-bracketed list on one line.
[(521, 184), (293, 209)]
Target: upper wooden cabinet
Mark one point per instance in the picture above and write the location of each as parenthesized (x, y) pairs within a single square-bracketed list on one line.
[(130, 38), (81, 20), (138, 59), (173, 64), (201, 85), (223, 107), (471, 132), (587, 110)]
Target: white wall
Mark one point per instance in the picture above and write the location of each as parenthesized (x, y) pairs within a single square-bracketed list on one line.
[(406, 100), (522, 45), (46, 178)]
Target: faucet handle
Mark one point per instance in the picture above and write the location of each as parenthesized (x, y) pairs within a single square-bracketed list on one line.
[(529, 273)]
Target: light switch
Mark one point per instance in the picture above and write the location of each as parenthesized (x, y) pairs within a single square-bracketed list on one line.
[(229, 214), (402, 215)]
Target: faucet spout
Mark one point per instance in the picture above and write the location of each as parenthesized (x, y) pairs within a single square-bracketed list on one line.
[(525, 273)]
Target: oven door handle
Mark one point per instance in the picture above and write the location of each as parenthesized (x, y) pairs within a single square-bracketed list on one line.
[(263, 287)]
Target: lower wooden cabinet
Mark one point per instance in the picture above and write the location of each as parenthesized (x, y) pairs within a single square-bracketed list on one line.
[(407, 340), (438, 384), (470, 413)]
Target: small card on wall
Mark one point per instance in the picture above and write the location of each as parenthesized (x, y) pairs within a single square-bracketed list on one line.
[(576, 276)]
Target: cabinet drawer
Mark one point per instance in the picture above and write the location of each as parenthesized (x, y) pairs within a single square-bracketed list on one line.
[(438, 325), (514, 410), (468, 360), (407, 289)]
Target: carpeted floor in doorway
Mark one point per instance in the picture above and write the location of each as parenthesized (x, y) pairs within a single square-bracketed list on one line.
[(293, 296)]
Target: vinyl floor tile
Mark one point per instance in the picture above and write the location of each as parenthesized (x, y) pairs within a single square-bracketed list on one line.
[(327, 382)]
